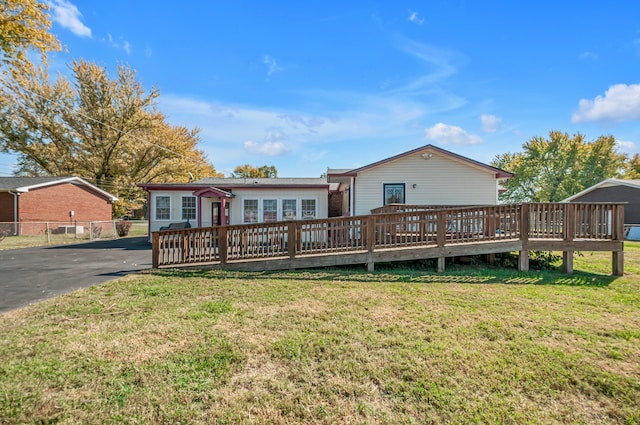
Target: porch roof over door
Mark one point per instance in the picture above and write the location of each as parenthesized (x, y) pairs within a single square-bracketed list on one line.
[(212, 192)]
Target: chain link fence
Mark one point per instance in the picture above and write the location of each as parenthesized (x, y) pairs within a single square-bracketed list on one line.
[(34, 233)]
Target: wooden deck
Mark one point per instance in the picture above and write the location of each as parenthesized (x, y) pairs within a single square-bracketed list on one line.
[(408, 233)]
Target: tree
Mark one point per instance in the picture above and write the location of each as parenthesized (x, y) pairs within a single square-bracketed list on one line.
[(632, 170), (106, 131), (550, 170), (249, 171), (24, 25)]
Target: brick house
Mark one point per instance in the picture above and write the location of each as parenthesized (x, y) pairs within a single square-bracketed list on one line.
[(37, 199)]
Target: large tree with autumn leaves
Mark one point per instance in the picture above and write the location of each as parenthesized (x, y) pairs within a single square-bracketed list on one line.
[(24, 27), (105, 130)]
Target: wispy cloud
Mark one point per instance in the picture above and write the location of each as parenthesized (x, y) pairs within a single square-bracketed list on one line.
[(490, 123), (621, 102), (68, 16), (272, 65), (626, 146), (121, 43), (451, 135), (413, 17), (266, 148)]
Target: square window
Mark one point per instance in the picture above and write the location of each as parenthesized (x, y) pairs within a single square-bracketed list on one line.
[(308, 209), (393, 193), (163, 207), (269, 210), (289, 209), (250, 210), (188, 207)]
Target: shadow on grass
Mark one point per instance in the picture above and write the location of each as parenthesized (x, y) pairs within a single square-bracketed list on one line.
[(395, 274)]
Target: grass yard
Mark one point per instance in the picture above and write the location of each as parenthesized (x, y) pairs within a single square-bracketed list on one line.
[(401, 346)]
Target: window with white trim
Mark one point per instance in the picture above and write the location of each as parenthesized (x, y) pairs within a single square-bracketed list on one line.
[(394, 193), (289, 209), (308, 209), (269, 210), (163, 208), (250, 209), (188, 207)]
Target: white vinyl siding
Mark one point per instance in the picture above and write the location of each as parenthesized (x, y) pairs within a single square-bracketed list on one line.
[(438, 180)]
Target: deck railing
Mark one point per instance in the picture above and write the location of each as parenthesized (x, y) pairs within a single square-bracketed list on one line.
[(413, 228)]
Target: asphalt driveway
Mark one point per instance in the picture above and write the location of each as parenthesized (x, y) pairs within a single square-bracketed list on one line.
[(29, 275)]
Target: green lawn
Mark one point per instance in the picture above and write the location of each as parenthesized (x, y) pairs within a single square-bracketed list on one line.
[(402, 345)]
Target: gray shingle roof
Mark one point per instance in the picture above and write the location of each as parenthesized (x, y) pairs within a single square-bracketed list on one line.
[(13, 183), (284, 181)]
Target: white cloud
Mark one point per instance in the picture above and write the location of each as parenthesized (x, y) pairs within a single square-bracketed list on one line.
[(626, 146), (451, 135), (490, 123), (413, 17), (118, 44), (272, 65), (68, 16), (621, 102), (266, 148)]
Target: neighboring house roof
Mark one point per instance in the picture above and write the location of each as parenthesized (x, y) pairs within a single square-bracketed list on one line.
[(229, 183), (25, 184), (425, 150), (605, 183)]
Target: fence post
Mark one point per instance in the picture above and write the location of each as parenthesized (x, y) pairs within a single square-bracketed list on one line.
[(370, 242), (569, 228), (523, 257), (441, 229), (155, 250), (223, 243), (292, 239), (617, 257)]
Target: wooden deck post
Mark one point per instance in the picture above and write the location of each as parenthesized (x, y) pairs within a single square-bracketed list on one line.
[(523, 257), (441, 228), (569, 225), (155, 250), (292, 239), (617, 257), (370, 241), (223, 243)]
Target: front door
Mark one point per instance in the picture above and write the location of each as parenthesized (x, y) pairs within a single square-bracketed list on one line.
[(216, 213)]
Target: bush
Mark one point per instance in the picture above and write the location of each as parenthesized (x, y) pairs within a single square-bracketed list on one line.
[(123, 227)]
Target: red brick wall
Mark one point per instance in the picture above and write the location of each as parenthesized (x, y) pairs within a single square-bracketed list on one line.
[(6, 207), (53, 203)]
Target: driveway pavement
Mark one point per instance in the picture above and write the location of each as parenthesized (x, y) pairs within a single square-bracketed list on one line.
[(29, 275)]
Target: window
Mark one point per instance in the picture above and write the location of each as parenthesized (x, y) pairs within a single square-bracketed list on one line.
[(393, 193), (188, 207), (269, 210), (250, 210), (308, 208), (289, 209), (163, 208)]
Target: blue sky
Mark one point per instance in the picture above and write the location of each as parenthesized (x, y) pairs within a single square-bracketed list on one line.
[(310, 85)]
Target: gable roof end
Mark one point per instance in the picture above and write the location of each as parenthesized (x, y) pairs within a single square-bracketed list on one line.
[(605, 183)]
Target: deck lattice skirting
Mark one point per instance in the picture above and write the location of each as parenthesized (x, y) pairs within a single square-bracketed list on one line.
[(409, 233)]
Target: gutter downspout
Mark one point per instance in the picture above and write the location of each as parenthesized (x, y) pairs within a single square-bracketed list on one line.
[(15, 212), (352, 207)]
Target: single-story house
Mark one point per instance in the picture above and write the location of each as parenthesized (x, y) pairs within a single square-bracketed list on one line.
[(52, 199), (221, 201), (614, 190), (424, 176)]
